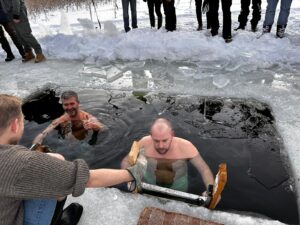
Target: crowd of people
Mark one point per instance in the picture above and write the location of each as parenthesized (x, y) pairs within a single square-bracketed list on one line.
[(14, 20), (211, 9)]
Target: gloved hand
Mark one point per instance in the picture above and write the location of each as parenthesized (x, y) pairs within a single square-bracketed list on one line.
[(205, 6), (137, 171)]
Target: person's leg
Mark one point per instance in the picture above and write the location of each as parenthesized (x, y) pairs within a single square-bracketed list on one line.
[(150, 4), (270, 14), (256, 14), (125, 4), (24, 29), (133, 13), (39, 211), (226, 4), (9, 28), (283, 17), (284, 13), (5, 45), (198, 4), (157, 4), (214, 16), (243, 17), (167, 14), (173, 15)]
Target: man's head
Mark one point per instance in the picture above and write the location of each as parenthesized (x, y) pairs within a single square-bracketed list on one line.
[(70, 103), (11, 119), (162, 135)]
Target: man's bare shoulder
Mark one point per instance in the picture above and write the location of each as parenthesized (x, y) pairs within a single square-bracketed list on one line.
[(187, 149), (145, 141)]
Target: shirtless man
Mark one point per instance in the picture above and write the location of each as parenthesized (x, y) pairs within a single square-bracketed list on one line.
[(167, 158), (74, 122)]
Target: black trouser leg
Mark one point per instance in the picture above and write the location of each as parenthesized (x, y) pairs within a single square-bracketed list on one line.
[(256, 14), (157, 5), (9, 28), (243, 17), (150, 4), (214, 16), (173, 15), (199, 11), (4, 43), (226, 4), (58, 212)]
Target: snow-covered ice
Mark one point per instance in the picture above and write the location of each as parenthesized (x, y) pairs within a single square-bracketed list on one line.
[(184, 61)]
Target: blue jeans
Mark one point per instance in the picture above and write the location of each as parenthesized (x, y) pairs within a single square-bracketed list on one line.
[(39, 211), (284, 13), (125, 4)]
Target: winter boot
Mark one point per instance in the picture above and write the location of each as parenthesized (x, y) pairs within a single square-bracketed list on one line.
[(267, 29), (253, 28), (280, 31), (240, 27), (228, 39), (9, 57), (199, 27), (28, 56), (39, 58)]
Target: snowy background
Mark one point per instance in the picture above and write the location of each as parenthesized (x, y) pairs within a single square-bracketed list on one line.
[(185, 61)]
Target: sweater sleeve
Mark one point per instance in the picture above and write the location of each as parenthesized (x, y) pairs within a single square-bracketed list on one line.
[(43, 176)]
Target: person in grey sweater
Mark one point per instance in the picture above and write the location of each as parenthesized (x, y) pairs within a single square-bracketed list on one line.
[(30, 176), (17, 12)]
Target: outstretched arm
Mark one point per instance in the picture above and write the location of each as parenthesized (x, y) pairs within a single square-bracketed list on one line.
[(203, 169), (40, 137)]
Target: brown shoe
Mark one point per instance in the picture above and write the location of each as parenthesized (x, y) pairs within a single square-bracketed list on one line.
[(39, 58), (28, 56)]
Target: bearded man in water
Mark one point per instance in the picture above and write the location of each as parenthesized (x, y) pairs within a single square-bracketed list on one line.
[(167, 158), (74, 123)]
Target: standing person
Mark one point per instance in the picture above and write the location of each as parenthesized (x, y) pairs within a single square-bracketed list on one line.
[(74, 123), (17, 12), (170, 14), (214, 16), (256, 14), (9, 28), (125, 5), (30, 176), (284, 13), (154, 4), (167, 158)]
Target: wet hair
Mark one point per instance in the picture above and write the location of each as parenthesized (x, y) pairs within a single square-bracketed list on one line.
[(159, 120), (10, 109), (69, 94)]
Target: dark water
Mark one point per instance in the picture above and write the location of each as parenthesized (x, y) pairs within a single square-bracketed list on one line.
[(239, 132)]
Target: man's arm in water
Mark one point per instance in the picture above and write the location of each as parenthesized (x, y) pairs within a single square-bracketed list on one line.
[(40, 137), (201, 166)]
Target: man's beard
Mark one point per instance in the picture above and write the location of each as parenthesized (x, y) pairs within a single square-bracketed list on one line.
[(72, 112)]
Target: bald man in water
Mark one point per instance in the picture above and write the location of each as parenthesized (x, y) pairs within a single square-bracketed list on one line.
[(167, 158)]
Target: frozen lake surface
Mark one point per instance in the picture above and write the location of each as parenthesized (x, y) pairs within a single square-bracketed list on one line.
[(186, 62)]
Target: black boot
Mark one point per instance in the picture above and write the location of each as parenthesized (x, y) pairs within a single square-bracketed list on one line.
[(267, 29), (280, 31), (71, 215), (240, 27), (9, 57)]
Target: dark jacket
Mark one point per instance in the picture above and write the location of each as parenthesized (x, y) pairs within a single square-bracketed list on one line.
[(3, 16)]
